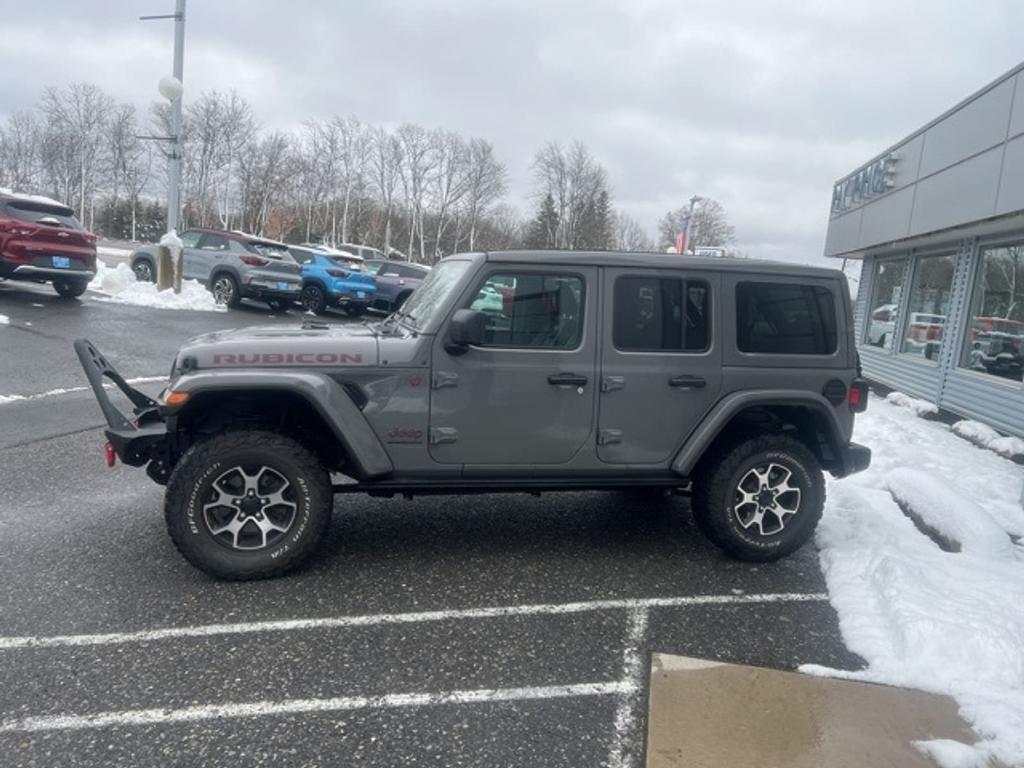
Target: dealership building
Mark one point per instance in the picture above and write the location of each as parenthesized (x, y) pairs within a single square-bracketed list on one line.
[(938, 223)]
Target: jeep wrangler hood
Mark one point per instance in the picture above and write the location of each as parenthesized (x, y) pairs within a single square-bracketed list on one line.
[(272, 346)]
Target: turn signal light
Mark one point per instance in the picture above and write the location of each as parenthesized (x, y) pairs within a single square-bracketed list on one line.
[(176, 398)]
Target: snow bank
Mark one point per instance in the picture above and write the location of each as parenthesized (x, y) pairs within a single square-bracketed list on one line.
[(920, 407), (986, 437), (949, 623), (955, 516), (5, 320), (119, 285)]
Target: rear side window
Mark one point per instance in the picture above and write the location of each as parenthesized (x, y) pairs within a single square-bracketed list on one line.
[(42, 213), (785, 319), (661, 314), (214, 243)]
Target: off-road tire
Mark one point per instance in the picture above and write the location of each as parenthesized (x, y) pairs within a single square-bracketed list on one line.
[(313, 299), (69, 289), (716, 491), (190, 487)]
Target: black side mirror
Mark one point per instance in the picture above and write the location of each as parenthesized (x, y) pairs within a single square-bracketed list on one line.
[(467, 328)]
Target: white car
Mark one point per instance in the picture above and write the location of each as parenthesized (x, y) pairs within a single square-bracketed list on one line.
[(882, 325)]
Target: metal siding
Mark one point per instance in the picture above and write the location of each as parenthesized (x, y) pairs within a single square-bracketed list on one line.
[(901, 372), (958, 195), (981, 124), (953, 333), (1011, 185), (864, 288), (983, 398)]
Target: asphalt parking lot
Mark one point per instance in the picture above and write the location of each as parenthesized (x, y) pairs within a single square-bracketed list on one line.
[(499, 630)]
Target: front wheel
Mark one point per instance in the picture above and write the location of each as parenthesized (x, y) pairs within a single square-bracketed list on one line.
[(144, 271), (248, 505), (314, 299), (761, 499), (69, 289)]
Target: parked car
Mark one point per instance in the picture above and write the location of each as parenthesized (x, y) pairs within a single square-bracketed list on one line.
[(739, 386), (233, 265), (41, 241), (924, 334), (366, 252), (334, 279), (396, 280), (883, 323)]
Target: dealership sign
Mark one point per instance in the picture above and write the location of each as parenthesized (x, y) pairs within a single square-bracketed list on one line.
[(870, 181)]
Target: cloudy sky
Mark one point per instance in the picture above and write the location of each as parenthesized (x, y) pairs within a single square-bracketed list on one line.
[(761, 105)]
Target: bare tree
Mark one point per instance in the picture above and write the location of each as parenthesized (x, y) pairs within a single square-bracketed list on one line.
[(486, 184), (20, 152), (386, 164), (265, 168), (419, 162), (574, 179), (710, 226), (629, 235), (450, 181)]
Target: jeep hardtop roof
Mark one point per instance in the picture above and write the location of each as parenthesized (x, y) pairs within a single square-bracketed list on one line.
[(654, 260)]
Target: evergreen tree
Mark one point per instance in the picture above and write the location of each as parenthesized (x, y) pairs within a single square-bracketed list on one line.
[(543, 230), (596, 229)]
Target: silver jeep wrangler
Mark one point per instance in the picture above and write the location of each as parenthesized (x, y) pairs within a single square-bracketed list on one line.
[(735, 382)]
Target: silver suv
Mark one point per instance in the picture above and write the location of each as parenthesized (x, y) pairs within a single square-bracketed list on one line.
[(233, 265), (733, 381)]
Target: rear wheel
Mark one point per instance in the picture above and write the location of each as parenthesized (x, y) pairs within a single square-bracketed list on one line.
[(314, 299), (144, 271), (225, 290), (69, 289), (761, 499), (248, 505)]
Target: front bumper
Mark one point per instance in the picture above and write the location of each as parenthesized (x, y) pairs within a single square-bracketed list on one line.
[(853, 458)]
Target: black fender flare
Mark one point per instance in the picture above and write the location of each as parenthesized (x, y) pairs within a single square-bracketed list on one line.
[(726, 408), (327, 397)]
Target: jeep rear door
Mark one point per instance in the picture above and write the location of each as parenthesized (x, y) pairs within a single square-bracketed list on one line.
[(661, 363), (526, 396)]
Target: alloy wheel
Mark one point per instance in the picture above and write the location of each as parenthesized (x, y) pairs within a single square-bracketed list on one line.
[(143, 272), (223, 290), (765, 499), (252, 507)]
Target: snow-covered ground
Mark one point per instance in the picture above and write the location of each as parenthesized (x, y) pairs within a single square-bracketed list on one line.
[(940, 621), (118, 284)]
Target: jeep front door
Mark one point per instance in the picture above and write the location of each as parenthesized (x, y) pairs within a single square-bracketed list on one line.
[(660, 362), (526, 395)]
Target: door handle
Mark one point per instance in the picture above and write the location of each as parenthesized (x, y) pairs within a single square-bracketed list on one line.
[(687, 382), (567, 380)]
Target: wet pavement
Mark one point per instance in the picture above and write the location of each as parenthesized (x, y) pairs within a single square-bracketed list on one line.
[(482, 630)]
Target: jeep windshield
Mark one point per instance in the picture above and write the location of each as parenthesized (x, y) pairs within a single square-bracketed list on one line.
[(430, 299)]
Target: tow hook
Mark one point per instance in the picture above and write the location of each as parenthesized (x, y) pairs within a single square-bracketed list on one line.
[(111, 454)]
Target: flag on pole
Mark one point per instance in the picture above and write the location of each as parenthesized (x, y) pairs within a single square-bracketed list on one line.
[(681, 237)]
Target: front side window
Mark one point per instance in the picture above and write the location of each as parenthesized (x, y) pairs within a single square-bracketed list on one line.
[(886, 292), (661, 314), (995, 334), (541, 311), (785, 319), (929, 305)]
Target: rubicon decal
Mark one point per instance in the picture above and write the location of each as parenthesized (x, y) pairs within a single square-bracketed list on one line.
[(288, 358)]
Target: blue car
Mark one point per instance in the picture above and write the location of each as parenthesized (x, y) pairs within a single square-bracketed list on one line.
[(333, 279)]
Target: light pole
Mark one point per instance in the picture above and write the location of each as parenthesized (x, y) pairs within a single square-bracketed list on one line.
[(690, 228), (171, 89)]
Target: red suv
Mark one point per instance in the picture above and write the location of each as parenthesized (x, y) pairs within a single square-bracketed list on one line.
[(42, 241)]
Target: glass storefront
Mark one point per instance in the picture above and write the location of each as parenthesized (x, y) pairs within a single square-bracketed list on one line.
[(994, 342), (880, 324), (928, 307)]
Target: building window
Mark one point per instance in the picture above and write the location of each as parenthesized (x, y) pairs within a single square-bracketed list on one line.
[(930, 293), (995, 335), (541, 311), (886, 292), (785, 319), (654, 314)]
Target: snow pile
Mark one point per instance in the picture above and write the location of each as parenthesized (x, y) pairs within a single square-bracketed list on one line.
[(920, 407), (4, 399), (119, 285), (986, 437), (5, 320), (949, 623)]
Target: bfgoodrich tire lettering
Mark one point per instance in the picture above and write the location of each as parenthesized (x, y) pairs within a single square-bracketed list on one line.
[(191, 491), (734, 498)]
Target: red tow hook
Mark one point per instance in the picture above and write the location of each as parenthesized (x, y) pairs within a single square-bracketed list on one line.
[(108, 449)]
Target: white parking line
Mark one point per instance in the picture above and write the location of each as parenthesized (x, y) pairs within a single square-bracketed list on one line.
[(370, 620), (624, 752), (298, 706)]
